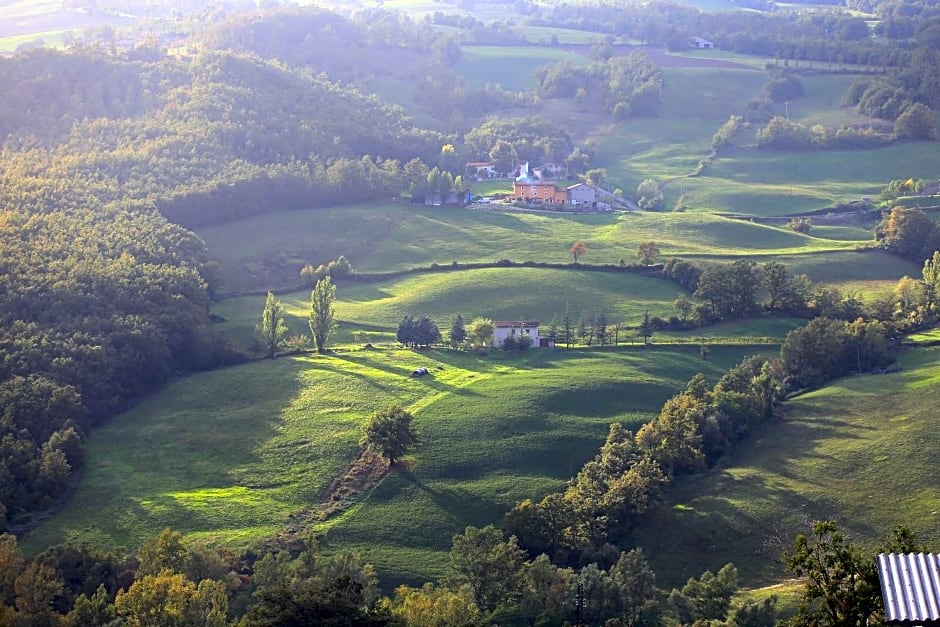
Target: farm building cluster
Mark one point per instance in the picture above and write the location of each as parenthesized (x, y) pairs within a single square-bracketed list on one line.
[(540, 186)]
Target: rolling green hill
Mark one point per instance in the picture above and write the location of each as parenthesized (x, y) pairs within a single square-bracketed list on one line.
[(495, 293), (274, 247), (862, 450), (229, 455)]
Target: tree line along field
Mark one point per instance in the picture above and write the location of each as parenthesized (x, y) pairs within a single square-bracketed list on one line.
[(838, 452), (375, 309), (228, 455)]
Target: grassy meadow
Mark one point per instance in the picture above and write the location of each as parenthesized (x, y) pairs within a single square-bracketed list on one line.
[(399, 237), (495, 293), (783, 182), (696, 101), (512, 67), (862, 450), (375, 309), (228, 455)]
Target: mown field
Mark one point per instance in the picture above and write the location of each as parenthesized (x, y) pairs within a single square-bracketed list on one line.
[(862, 451), (512, 67), (228, 455), (28, 22), (274, 247)]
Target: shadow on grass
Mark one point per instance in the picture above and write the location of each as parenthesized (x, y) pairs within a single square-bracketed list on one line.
[(461, 507), (427, 380)]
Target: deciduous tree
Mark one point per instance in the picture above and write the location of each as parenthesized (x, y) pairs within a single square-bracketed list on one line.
[(162, 552), (915, 122), (578, 249), (647, 253), (389, 433), (842, 585), (322, 312), (433, 606), (931, 277), (648, 195), (272, 328), (480, 331), (776, 282), (490, 565), (636, 586)]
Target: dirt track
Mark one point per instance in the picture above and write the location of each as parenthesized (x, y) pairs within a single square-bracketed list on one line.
[(663, 59), (660, 57)]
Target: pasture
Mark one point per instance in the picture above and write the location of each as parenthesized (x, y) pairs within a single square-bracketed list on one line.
[(697, 100), (495, 293), (775, 183), (862, 451), (512, 67), (397, 237), (228, 455)]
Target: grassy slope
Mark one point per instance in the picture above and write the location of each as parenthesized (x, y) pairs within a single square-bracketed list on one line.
[(498, 293), (515, 293), (697, 101), (863, 450), (232, 465), (512, 67), (783, 182), (230, 453), (396, 237)]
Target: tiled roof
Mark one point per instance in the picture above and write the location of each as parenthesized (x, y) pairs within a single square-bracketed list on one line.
[(910, 586), (516, 323)]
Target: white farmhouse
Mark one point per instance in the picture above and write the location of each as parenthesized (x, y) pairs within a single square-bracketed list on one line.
[(506, 328)]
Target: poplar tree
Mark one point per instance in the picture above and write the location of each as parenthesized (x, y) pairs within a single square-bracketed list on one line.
[(322, 312), (272, 328)]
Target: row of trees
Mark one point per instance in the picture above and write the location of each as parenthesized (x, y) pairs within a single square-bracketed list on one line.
[(783, 134), (272, 330), (419, 332), (489, 580)]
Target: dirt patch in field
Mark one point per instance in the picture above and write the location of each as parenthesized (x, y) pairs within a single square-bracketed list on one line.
[(359, 477), (663, 59)]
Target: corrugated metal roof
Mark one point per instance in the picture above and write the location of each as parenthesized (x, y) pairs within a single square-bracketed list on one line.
[(910, 586)]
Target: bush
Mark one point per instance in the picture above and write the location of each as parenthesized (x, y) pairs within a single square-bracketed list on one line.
[(800, 225)]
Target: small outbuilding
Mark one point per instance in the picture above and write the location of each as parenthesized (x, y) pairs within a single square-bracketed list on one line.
[(701, 43)]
